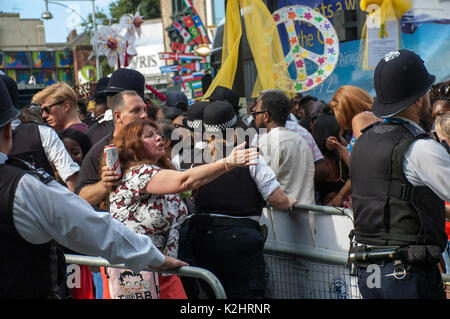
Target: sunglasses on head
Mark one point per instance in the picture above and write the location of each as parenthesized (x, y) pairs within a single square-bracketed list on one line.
[(48, 107)]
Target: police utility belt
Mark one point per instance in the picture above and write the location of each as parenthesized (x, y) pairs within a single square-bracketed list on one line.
[(364, 255)]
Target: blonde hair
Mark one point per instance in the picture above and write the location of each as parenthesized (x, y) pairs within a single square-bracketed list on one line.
[(60, 91), (442, 125), (349, 101)]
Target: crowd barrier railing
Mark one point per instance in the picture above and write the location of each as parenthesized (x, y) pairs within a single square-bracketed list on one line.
[(319, 256), (212, 280), (187, 271)]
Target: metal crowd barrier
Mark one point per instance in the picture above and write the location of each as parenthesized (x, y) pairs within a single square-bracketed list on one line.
[(187, 271), (307, 272), (320, 256), (271, 254), (344, 212), (329, 257), (326, 209)]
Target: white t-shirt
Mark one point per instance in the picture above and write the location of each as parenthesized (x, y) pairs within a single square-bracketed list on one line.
[(55, 151)]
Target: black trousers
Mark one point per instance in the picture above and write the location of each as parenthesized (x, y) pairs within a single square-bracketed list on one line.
[(421, 282), (234, 254)]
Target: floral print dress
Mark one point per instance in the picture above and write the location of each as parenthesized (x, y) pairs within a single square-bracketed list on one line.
[(158, 216)]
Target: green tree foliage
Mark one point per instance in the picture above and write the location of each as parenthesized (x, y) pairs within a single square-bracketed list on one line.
[(149, 9), (100, 18)]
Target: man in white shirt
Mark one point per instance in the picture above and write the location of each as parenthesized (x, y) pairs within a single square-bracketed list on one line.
[(284, 151), (36, 211), (321, 167)]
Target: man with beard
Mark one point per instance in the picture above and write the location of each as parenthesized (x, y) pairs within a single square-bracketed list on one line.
[(287, 153), (399, 191)]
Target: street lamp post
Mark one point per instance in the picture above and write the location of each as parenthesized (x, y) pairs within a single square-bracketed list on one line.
[(48, 15)]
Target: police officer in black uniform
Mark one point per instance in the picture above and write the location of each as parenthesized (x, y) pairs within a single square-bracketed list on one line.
[(399, 184), (225, 235), (36, 213)]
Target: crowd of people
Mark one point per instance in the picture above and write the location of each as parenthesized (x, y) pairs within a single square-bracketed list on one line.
[(195, 178)]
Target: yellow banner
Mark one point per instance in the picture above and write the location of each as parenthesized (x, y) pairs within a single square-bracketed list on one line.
[(264, 42)]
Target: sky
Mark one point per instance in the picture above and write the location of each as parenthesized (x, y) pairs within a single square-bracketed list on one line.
[(64, 19)]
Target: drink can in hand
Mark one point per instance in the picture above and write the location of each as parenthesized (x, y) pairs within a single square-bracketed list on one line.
[(112, 158)]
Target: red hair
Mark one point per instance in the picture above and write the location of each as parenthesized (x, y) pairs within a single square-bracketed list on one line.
[(131, 149), (348, 101)]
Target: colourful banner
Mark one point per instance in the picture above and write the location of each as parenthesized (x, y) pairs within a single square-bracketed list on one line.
[(186, 36), (181, 47), (17, 60), (192, 29), (195, 66), (170, 68), (196, 76), (196, 87), (64, 59), (425, 29), (43, 59), (46, 77), (198, 23), (178, 56)]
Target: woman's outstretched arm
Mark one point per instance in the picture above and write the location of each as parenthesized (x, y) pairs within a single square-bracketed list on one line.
[(171, 181)]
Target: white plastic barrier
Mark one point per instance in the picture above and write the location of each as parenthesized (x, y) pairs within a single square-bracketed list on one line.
[(306, 253)]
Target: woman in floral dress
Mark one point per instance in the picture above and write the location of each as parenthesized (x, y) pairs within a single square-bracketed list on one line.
[(146, 200)]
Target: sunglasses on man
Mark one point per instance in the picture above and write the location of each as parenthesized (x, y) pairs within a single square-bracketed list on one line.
[(48, 107), (257, 112)]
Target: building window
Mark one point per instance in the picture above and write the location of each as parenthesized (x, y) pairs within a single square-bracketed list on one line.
[(177, 7), (218, 11)]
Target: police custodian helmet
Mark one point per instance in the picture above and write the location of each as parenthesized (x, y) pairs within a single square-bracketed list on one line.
[(400, 78)]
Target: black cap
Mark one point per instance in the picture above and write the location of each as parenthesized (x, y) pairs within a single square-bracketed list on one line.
[(400, 78), (125, 79), (177, 99), (7, 110), (100, 87), (11, 86), (194, 116), (221, 93), (220, 115)]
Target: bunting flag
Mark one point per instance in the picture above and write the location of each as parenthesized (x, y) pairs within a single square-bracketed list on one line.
[(178, 56), (196, 87), (197, 22), (191, 67), (181, 47), (170, 68), (194, 66), (186, 36), (195, 76), (188, 77), (192, 29), (177, 80)]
